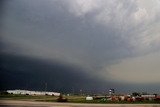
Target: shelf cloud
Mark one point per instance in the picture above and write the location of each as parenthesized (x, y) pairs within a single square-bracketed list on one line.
[(112, 40)]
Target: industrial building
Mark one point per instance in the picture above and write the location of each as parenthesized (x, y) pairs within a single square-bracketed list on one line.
[(27, 92)]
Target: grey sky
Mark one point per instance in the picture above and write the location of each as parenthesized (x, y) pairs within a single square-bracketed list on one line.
[(116, 40)]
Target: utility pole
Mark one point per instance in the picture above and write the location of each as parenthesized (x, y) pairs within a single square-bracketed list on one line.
[(73, 90), (45, 87), (45, 91), (81, 92)]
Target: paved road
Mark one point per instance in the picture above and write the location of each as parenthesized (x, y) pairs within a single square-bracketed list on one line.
[(13, 103)]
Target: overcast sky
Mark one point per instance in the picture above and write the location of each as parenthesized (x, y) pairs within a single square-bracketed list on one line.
[(117, 41)]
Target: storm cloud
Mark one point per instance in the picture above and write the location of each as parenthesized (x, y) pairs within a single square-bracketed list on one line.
[(104, 38)]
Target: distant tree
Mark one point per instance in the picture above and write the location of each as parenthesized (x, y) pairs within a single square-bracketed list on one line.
[(135, 94), (4, 93), (155, 94), (144, 93), (61, 99)]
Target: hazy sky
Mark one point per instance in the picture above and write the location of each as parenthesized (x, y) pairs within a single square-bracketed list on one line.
[(116, 41)]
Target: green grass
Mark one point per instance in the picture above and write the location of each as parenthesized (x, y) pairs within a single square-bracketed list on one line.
[(26, 97), (71, 99)]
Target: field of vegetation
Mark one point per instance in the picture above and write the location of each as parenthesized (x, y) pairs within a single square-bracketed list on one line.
[(70, 99)]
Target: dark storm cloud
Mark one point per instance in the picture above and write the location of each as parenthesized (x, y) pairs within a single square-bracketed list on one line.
[(56, 29), (19, 72), (99, 37)]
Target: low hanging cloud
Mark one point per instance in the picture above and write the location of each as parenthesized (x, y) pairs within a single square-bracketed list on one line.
[(101, 36)]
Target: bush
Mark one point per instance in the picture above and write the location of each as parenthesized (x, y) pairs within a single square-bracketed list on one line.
[(4, 93), (61, 99)]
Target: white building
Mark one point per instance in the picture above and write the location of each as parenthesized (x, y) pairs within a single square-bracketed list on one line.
[(24, 92)]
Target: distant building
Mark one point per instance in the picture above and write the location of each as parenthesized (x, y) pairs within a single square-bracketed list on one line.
[(111, 92), (89, 98), (27, 92)]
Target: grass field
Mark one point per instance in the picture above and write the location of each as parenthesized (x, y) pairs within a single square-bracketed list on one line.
[(71, 99)]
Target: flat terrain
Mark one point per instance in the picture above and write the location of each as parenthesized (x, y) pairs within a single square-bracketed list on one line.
[(17, 103)]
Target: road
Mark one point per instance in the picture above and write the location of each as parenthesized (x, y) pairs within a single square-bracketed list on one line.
[(15, 103)]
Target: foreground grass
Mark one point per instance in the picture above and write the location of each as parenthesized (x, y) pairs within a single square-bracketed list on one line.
[(26, 97), (71, 99)]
